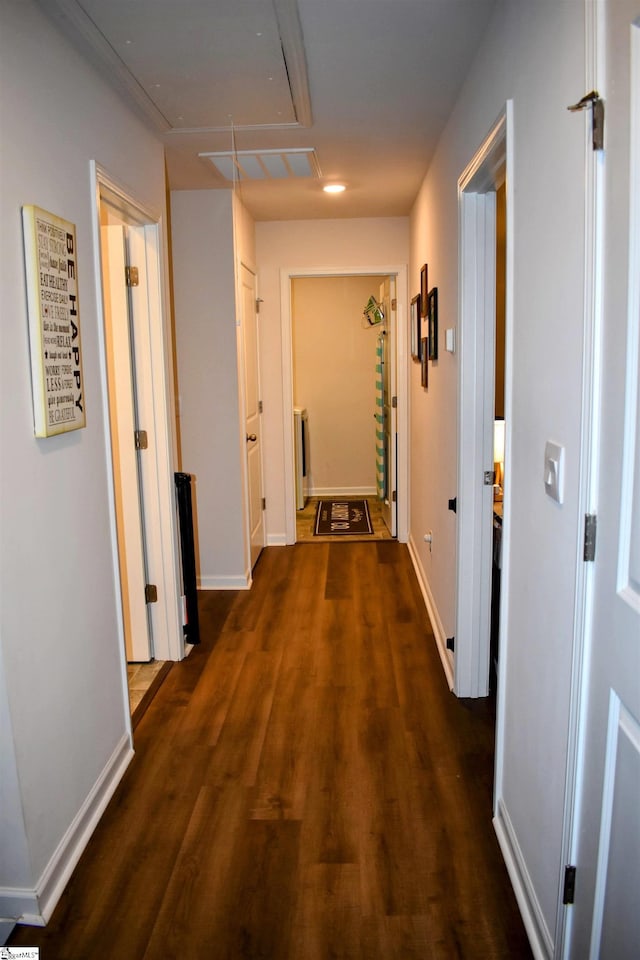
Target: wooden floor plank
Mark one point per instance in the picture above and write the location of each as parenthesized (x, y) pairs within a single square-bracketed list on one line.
[(332, 814), (327, 921), (287, 759), (305, 787), (236, 756), (195, 899)]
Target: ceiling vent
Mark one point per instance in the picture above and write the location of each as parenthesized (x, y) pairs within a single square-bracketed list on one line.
[(265, 164)]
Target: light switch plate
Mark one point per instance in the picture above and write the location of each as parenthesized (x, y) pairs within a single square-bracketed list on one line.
[(450, 339), (554, 471)]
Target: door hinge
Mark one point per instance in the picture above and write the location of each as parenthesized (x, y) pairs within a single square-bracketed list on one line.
[(394, 402), (489, 478), (394, 303), (393, 497), (131, 276), (141, 439), (590, 530), (453, 504), (150, 593), (259, 300), (595, 101), (264, 503), (569, 891), (260, 406), (451, 643)]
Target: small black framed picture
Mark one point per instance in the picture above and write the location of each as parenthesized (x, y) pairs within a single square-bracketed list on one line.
[(432, 313), (424, 289), (424, 358), (415, 327)]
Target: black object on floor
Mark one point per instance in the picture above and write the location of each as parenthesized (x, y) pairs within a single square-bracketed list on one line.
[(187, 553), (342, 517)]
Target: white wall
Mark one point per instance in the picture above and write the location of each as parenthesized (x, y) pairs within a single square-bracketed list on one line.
[(332, 245), (244, 235), (205, 330), (334, 360), (534, 54), (59, 618), (211, 233)]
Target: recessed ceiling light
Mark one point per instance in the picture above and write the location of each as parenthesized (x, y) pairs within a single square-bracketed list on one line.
[(334, 188)]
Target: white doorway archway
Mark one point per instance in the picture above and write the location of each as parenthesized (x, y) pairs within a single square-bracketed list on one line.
[(287, 275)]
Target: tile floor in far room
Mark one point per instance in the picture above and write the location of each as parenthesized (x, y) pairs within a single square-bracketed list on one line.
[(305, 521), (140, 676)]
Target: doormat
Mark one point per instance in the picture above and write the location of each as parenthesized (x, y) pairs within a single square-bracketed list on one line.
[(342, 517)]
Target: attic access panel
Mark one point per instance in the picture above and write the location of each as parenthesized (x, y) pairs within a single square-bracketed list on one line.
[(185, 57)]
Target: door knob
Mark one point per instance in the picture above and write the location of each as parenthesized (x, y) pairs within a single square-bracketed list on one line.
[(251, 437)]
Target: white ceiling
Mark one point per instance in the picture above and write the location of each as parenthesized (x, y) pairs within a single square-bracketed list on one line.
[(368, 84)]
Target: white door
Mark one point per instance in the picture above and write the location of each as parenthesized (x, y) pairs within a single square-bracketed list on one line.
[(605, 919), (389, 401), (253, 416), (122, 408)]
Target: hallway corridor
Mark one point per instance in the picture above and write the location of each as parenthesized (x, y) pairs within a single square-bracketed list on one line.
[(305, 787)]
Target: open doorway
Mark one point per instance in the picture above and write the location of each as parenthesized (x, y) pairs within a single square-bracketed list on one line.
[(144, 533), (338, 357), (348, 356), (499, 431), (484, 405)]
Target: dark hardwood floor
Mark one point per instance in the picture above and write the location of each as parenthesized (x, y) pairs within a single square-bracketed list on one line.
[(305, 787)]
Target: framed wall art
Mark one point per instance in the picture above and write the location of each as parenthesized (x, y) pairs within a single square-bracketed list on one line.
[(415, 327), (54, 322), (424, 359), (432, 314), (424, 289)]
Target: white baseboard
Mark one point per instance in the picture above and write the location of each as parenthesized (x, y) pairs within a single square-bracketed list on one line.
[(239, 582), (436, 623), (534, 922), (276, 540), (342, 492), (35, 906)]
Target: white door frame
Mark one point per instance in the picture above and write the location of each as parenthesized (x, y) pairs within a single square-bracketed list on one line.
[(402, 471), (162, 544), (476, 204)]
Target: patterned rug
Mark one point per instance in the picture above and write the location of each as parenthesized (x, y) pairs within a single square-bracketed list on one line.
[(342, 517)]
